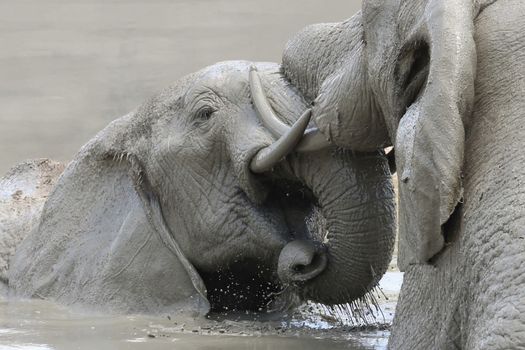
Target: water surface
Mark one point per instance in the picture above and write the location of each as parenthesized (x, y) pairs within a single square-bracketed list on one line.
[(42, 325)]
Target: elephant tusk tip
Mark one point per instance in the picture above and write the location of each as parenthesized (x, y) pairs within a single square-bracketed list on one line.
[(267, 157)]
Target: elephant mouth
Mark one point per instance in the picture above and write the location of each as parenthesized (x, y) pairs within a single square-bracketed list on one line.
[(256, 284)]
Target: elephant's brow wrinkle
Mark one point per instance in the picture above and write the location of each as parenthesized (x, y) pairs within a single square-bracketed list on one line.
[(202, 94), (215, 92)]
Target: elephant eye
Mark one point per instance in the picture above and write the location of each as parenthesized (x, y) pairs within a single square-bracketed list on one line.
[(203, 114)]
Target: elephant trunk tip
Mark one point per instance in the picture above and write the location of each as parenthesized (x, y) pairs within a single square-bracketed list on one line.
[(301, 261)]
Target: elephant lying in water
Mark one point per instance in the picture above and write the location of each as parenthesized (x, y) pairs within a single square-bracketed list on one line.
[(443, 82), (185, 204)]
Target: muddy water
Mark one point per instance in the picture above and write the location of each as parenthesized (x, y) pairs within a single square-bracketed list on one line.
[(42, 325), (67, 68)]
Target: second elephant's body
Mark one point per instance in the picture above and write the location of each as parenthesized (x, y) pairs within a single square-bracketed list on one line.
[(474, 296), (443, 82)]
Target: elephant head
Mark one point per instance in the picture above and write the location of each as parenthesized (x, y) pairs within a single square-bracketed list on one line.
[(194, 201), (398, 73)]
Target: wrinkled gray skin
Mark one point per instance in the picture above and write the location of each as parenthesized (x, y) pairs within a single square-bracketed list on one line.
[(443, 82), (23, 192), (161, 213)]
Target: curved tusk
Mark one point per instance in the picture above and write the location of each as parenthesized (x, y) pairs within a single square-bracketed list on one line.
[(313, 139), (268, 156), (276, 127)]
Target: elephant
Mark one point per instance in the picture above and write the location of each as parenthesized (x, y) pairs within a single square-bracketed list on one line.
[(442, 82), (209, 198)]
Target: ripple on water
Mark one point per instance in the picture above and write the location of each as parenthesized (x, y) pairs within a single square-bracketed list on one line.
[(26, 347), (41, 325)]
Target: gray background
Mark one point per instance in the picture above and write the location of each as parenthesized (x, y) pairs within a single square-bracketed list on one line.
[(69, 67)]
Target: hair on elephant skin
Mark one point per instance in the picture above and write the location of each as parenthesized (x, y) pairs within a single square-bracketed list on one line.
[(442, 82), (161, 210)]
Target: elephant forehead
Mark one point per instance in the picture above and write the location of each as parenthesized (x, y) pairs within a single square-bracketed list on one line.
[(227, 80), (225, 85), (220, 81)]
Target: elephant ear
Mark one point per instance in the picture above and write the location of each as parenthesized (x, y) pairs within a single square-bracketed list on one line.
[(102, 241), (430, 136)]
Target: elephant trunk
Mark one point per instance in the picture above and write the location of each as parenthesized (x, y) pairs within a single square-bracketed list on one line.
[(327, 63), (356, 201)]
